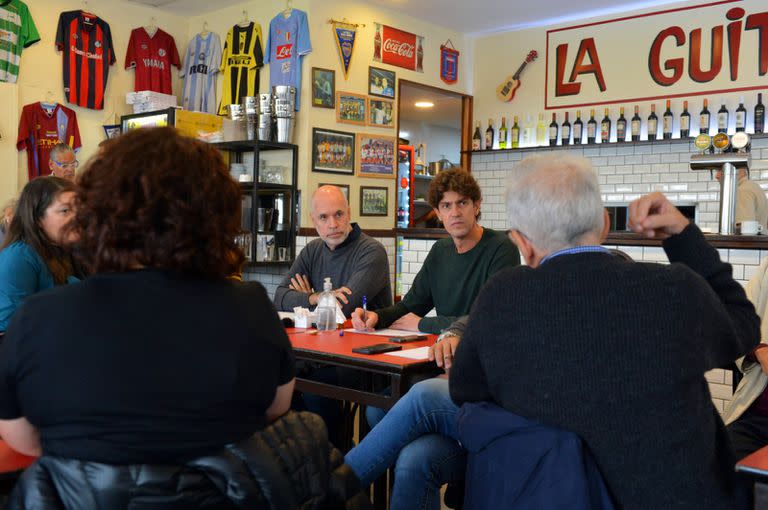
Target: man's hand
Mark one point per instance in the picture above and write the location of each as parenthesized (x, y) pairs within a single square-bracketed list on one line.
[(300, 283), (371, 318), (762, 357), (339, 293), (408, 322), (655, 217), (443, 351)]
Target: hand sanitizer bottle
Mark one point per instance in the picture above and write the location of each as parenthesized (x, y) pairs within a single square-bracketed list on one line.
[(326, 308)]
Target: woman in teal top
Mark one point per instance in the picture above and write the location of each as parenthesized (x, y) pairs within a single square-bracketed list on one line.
[(35, 256)]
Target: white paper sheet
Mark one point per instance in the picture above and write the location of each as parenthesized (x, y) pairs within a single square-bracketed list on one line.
[(417, 353), (397, 333)]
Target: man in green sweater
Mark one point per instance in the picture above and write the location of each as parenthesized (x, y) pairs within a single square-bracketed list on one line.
[(455, 269)]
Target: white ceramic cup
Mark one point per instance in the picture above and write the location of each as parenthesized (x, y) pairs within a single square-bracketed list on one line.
[(751, 227)]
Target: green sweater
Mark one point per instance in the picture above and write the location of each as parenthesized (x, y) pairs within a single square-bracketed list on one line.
[(449, 281)]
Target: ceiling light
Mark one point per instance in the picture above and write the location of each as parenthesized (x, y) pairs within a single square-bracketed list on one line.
[(423, 104), (404, 134)]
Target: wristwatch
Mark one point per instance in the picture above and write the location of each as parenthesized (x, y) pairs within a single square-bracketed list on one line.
[(446, 334)]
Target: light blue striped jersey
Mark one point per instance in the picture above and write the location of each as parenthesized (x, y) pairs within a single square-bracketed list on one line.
[(199, 70)]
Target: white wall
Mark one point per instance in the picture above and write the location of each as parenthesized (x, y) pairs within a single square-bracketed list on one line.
[(441, 141)]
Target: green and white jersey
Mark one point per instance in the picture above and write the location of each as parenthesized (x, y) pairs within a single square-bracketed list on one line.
[(17, 31)]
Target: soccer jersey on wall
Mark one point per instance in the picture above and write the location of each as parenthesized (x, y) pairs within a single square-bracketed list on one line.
[(17, 31), (41, 126), (85, 41), (288, 42), (240, 64), (152, 57), (199, 70)]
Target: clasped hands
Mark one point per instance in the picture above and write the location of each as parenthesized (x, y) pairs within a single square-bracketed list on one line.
[(300, 283)]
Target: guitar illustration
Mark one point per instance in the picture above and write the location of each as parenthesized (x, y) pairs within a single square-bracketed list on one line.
[(506, 91)]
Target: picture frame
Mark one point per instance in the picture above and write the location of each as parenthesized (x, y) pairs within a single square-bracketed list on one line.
[(351, 108), (333, 151), (376, 155), (323, 87), (381, 113), (381, 82), (343, 187), (374, 201)]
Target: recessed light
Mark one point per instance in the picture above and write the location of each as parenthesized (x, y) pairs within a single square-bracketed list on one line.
[(424, 104)]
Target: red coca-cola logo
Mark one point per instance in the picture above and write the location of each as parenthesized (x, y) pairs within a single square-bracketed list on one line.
[(399, 48), (284, 51)]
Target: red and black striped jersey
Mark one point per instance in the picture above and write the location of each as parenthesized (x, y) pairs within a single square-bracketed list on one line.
[(86, 43)]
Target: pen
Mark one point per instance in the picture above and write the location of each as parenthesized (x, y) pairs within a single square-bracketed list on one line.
[(365, 309)]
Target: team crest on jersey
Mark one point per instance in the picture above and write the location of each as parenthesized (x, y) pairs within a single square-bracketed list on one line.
[(97, 44), (201, 56), (74, 36), (161, 52), (144, 46)]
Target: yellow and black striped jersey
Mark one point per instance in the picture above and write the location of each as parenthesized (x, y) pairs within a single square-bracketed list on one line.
[(240, 63)]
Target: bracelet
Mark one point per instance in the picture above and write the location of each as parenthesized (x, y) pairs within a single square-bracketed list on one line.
[(444, 335)]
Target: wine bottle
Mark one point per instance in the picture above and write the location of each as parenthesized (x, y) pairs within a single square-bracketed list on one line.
[(591, 127), (578, 128), (667, 118), (489, 135), (515, 135), (605, 128), (704, 119), (541, 130), (685, 121), (553, 130), (477, 138), (503, 134), (565, 131), (636, 125), (741, 116), (653, 124), (759, 114), (621, 126), (722, 118)]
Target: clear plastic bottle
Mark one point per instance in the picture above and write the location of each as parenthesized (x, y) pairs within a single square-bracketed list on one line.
[(326, 308)]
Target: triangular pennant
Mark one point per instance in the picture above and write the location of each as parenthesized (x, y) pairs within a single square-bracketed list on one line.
[(345, 42)]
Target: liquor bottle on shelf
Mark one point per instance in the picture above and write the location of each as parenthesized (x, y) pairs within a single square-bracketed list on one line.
[(578, 128), (591, 127), (741, 116), (621, 126), (477, 138), (636, 125), (489, 135), (514, 141), (759, 114), (553, 130), (685, 121), (503, 134), (667, 118), (722, 118), (605, 128), (704, 119), (541, 131), (653, 124), (565, 131), (529, 132)]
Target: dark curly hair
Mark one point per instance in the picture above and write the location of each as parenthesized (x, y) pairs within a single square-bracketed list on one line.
[(155, 198), (454, 179)]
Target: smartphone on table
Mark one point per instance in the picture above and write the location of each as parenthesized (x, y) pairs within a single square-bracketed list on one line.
[(376, 349), (406, 339)]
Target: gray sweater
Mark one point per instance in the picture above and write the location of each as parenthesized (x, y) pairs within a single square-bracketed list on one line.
[(359, 263)]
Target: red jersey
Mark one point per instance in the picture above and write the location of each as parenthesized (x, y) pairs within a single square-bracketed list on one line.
[(86, 43), (40, 128), (152, 57)]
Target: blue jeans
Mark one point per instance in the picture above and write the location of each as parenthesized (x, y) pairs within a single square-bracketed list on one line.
[(419, 436)]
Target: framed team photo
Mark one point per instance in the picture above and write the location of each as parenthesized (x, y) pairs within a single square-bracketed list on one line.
[(350, 108), (343, 187), (374, 201), (376, 155), (381, 113), (381, 82), (333, 151), (323, 87)]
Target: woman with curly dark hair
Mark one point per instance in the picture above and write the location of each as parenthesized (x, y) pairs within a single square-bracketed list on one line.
[(36, 251), (158, 357)]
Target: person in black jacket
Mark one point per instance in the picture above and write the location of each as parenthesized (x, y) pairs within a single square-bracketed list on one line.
[(611, 350)]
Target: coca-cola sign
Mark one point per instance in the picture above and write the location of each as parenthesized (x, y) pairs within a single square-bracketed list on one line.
[(398, 48)]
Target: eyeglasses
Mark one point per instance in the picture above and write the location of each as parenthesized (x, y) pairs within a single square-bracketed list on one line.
[(74, 164)]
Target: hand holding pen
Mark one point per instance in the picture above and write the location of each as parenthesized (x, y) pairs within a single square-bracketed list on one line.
[(362, 319)]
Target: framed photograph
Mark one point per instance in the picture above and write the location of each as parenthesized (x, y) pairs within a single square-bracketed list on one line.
[(374, 201), (343, 187), (376, 155), (381, 113), (323, 87), (350, 108), (381, 82), (333, 151), (112, 130)]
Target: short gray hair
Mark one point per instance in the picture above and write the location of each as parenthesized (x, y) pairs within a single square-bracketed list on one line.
[(554, 200), (59, 148)]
